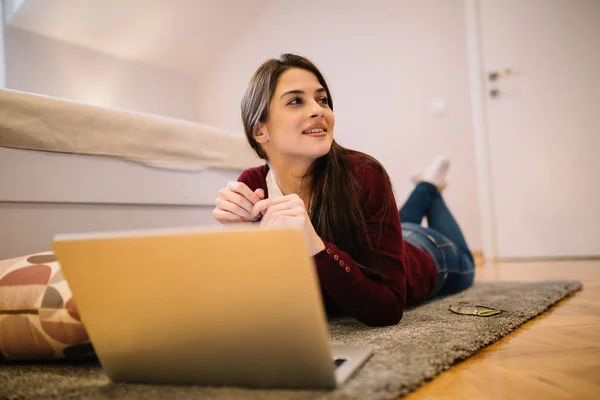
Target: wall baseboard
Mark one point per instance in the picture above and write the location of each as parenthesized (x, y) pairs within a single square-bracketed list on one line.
[(479, 260)]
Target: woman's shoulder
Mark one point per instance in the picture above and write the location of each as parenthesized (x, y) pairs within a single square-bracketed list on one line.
[(364, 166), (372, 178), (254, 177)]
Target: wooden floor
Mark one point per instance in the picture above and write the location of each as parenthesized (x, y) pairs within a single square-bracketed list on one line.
[(554, 356)]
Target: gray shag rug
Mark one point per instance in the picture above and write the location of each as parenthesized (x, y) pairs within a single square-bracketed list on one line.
[(428, 340)]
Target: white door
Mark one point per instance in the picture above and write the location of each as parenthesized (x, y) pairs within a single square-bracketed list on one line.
[(543, 124)]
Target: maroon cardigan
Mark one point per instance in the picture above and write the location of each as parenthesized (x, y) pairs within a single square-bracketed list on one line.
[(410, 272)]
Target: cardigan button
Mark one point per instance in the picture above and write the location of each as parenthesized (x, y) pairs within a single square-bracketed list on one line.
[(336, 257), (347, 269), (328, 251), (341, 263)]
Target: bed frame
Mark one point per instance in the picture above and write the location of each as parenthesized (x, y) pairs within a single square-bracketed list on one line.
[(153, 172)]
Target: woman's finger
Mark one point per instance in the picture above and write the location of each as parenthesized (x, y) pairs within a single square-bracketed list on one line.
[(233, 208), (262, 205), (260, 193), (288, 205), (286, 216), (266, 218), (243, 189), (288, 220), (236, 198), (226, 217), (272, 216), (267, 215)]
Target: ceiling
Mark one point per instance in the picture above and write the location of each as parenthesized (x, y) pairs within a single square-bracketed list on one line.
[(179, 35)]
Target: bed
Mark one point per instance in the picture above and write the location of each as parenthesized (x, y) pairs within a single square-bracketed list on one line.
[(72, 167)]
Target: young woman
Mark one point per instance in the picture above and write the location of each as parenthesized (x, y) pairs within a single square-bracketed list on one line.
[(369, 266)]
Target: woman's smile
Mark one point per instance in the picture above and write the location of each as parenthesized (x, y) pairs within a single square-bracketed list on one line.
[(317, 130)]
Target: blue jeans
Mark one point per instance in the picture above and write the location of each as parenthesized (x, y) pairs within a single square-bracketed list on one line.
[(442, 240)]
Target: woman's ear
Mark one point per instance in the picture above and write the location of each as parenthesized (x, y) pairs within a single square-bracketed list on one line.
[(261, 134)]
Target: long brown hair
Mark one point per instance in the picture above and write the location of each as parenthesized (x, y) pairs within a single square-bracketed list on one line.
[(335, 211)]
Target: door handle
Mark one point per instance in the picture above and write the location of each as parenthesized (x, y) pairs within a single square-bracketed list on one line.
[(495, 75)]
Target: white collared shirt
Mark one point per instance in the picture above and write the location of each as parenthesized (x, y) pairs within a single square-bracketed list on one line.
[(272, 185)]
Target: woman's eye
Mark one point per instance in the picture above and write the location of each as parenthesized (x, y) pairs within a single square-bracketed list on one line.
[(297, 100)]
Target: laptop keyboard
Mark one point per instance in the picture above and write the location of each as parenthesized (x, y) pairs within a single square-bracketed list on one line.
[(338, 361)]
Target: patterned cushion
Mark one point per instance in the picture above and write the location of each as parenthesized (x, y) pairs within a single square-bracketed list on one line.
[(38, 320)]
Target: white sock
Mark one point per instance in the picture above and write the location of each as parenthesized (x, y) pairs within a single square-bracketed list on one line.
[(436, 172)]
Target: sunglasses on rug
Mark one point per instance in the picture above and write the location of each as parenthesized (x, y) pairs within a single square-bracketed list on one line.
[(465, 308)]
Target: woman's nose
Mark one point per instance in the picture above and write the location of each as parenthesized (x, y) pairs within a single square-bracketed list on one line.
[(317, 110)]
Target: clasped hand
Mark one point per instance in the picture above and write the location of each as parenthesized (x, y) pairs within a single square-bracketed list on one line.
[(237, 203)]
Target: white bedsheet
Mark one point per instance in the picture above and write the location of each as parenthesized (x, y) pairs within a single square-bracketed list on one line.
[(34, 122)]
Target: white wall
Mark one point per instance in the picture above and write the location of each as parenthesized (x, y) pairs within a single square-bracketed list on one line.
[(97, 193), (385, 61), (37, 64), (10, 8), (2, 67)]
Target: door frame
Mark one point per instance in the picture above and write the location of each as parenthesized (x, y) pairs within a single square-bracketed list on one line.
[(478, 91)]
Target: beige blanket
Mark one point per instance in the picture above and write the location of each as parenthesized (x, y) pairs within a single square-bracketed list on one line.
[(35, 122)]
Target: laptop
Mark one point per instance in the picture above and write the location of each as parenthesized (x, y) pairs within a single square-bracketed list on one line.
[(223, 306)]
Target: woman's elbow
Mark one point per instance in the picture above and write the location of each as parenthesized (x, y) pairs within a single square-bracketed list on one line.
[(391, 317)]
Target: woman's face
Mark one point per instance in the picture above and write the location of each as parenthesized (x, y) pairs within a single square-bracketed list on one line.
[(300, 123)]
